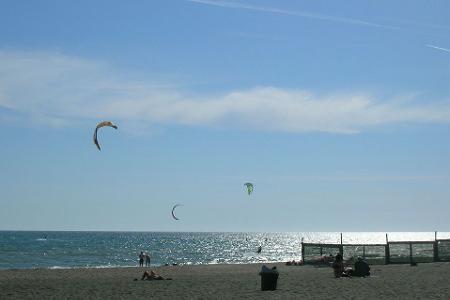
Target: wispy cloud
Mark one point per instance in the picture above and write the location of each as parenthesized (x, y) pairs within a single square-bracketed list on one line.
[(273, 10), (58, 90), (438, 48)]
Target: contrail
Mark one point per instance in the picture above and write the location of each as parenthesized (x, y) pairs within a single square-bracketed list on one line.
[(287, 12), (439, 48)]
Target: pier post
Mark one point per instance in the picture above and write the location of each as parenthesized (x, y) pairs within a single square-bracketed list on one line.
[(387, 255), (435, 248), (303, 251), (410, 253)]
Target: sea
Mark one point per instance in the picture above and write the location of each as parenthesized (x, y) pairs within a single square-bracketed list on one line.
[(82, 249)]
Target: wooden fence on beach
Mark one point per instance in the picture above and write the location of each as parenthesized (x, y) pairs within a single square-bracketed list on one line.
[(391, 252)]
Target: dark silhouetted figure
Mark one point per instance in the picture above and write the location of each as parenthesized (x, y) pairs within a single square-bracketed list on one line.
[(362, 268), (338, 265), (141, 259)]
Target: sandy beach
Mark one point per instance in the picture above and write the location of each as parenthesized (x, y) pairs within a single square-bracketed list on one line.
[(426, 281)]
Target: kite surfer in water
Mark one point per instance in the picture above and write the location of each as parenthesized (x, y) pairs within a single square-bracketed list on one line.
[(259, 250)]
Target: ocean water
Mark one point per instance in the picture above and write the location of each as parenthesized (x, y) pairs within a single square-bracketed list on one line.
[(32, 249)]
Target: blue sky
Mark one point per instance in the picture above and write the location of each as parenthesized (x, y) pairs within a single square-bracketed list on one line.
[(339, 113)]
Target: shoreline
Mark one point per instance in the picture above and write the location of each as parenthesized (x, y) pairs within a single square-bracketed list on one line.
[(229, 281), (138, 267)]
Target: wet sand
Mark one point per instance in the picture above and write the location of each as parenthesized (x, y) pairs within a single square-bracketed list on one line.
[(426, 281)]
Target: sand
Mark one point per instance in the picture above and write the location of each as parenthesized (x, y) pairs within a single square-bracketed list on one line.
[(426, 281)]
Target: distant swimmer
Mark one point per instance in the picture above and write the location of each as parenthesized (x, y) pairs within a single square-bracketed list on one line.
[(259, 249)]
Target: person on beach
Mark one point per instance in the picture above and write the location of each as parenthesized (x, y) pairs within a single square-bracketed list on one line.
[(147, 259), (141, 259), (362, 268), (338, 265), (153, 276)]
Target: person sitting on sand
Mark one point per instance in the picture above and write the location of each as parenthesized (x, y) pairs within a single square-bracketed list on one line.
[(153, 276), (338, 265), (362, 268)]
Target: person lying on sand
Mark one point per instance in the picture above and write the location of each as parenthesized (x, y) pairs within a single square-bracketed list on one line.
[(153, 276)]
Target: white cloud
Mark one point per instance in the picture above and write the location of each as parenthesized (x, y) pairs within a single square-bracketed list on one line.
[(59, 90)]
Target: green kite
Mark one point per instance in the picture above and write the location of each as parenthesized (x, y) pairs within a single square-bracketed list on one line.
[(249, 187)]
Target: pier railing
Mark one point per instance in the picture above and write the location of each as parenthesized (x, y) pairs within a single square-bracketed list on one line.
[(391, 252)]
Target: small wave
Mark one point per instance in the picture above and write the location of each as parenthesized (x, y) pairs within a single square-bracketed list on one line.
[(90, 267)]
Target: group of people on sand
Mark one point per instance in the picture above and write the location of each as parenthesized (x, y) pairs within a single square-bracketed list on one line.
[(361, 268), (324, 259), (144, 257), (294, 263)]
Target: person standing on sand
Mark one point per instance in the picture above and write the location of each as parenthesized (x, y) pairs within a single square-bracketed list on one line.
[(147, 259), (141, 259)]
